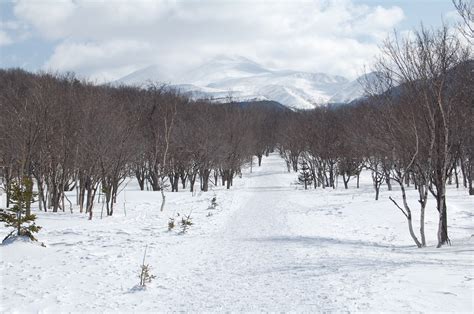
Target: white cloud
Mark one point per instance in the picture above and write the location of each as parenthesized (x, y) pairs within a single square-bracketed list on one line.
[(103, 61), (12, 31), (5, 39), (379, 20), (49, 17), (105, 39)]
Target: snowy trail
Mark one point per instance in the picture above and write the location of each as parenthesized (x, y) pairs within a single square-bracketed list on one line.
[(243, 266), (269, 246), (256, 262), (261, 259)]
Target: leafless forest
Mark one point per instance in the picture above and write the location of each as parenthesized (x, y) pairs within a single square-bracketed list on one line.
[(413, 130)]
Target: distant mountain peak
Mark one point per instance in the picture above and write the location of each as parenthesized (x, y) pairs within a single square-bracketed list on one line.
[(152, 73), (245, 79)]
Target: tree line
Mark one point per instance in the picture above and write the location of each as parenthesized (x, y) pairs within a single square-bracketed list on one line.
[(414, 128), (66, 134)]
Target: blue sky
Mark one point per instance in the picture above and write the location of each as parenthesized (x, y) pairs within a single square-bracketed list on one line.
[(106, 40)]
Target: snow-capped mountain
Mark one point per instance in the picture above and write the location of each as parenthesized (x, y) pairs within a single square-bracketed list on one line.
[(143, 76), (243, 79), (222, 68)]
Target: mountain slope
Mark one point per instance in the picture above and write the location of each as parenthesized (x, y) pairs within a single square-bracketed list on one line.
[(143, 76)]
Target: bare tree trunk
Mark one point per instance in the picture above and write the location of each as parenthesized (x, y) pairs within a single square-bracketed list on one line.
[(456, 177), (346, 180), (205, 179), (331, 175), (443, 220), (216, 176), (192, 180), (8, 182), (423, 193), (470, 176), (41, 197), (407, 213), (168, 129), (230, 174), (464, 174), (163, 199), (315, 179), (412, 233), (183, 178), (81, 197), (388, 181), (223, 177), (29, 190)]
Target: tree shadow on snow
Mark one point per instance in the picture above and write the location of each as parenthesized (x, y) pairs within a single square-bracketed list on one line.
[(314, 241)]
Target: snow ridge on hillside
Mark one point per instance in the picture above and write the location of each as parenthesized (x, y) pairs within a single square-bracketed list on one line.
[(243, 79)]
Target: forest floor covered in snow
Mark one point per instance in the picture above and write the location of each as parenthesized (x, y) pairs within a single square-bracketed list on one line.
[(269, 245)]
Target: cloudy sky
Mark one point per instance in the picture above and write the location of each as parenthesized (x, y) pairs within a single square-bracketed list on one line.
[(105, 40)]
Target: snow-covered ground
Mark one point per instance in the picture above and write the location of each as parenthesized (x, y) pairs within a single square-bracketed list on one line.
[(268, 246)]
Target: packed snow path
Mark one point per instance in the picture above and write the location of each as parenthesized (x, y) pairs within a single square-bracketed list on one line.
[(269, 246), (254, 262)]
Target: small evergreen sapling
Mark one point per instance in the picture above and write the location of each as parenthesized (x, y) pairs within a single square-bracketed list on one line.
[(305, 177), (16, 217)]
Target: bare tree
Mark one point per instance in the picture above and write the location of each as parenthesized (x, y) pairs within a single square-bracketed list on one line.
[(422, 66), (465, 9)]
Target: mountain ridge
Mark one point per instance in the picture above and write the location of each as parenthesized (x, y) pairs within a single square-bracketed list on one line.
[(244, 79)]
